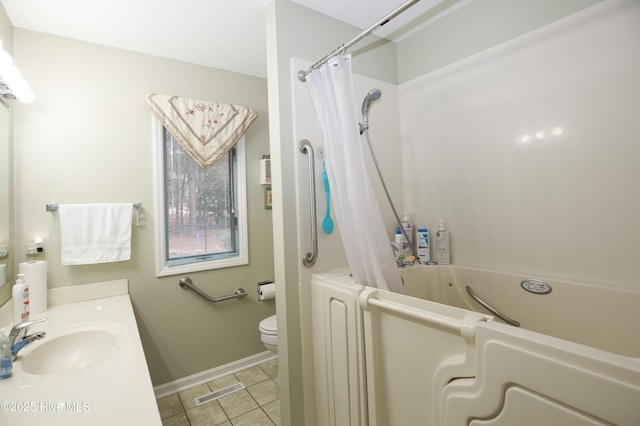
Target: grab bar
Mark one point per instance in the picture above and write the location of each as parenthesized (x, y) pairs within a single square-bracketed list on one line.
[(466, 326), (187, 283), (491, 309), (309, 259)]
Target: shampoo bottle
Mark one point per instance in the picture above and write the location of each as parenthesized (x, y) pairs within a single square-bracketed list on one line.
[(443, 253), (423, 245), (410, 245), (20, 301)]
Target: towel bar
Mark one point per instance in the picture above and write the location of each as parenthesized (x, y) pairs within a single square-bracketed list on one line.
[(51, 207), (187, 283)]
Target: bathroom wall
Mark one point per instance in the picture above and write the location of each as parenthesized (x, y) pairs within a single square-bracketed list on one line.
[(87, 138), (550, 205), (476, 26)]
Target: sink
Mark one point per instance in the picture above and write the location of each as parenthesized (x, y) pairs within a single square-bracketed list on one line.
[(68, 352)]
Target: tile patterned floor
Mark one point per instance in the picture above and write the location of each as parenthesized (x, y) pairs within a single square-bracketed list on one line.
[(256, 405)]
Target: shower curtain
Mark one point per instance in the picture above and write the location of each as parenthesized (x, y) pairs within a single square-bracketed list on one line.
[(358, 216)]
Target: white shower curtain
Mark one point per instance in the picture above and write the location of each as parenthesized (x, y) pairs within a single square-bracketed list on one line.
[(358, 216)]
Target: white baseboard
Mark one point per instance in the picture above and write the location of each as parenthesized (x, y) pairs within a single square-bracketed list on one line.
[(212, 374)]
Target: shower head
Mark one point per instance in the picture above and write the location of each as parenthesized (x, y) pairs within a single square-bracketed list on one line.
[(373, 95)]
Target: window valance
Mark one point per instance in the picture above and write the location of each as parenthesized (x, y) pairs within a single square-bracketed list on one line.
[(206, 130)]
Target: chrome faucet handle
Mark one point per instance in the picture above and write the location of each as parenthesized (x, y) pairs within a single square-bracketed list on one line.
[(18, 343), (17, 329), (27, 324)]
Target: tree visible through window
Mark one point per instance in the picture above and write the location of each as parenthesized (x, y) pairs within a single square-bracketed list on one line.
[(199, 208)]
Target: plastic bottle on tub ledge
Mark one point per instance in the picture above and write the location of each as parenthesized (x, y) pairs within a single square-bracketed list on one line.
[(443, 251), (399, 239), (422, 238), (409, 246)]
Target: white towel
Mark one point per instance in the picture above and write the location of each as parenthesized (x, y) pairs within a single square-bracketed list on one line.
[(95, 233)]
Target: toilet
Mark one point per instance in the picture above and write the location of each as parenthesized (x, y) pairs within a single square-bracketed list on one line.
[(269, 333)]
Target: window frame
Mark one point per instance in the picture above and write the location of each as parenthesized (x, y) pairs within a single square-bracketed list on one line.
[(240, 180)]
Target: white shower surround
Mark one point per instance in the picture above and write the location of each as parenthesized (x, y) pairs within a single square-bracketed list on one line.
[(565, 205)]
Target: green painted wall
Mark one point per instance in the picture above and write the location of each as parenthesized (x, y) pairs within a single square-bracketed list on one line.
[(87, 138)]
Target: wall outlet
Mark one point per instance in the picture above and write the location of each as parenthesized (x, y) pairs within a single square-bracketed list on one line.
[(34, 248)]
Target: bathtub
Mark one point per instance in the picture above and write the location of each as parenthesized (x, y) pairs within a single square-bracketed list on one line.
[(435, 357), (595, 315)]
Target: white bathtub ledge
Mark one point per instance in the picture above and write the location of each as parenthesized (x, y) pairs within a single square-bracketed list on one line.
[(115, 390)]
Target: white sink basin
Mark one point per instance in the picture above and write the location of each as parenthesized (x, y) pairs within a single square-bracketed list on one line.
[(69, 352)]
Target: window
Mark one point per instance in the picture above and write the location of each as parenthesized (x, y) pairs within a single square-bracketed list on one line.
[(202, 215)]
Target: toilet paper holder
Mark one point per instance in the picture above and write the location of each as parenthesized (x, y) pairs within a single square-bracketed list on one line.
[(263, 283)]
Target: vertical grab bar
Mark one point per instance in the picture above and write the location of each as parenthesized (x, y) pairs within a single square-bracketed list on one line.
[(309, 259)]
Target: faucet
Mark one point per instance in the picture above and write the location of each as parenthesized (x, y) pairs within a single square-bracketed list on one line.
[(19, 338)]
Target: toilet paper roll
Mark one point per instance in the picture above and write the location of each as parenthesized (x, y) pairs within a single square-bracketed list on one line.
[(3, 274), (35, 275), (267, 291)]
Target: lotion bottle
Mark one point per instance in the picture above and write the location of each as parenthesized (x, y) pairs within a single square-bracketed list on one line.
[(443, 252), (423, 245), (20, 297)]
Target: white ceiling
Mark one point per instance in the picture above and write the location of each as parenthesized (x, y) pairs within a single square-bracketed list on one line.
[(225, 34)]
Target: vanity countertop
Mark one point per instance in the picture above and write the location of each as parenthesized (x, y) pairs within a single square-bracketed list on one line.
[(114, 390)]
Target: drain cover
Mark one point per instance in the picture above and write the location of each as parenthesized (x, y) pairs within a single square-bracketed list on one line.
[(536, 286)]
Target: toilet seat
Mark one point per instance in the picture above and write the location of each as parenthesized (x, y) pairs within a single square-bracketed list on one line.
[(269, 333), (269, 326)]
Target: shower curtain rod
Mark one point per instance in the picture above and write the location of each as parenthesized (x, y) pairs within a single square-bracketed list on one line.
[(302, 75)]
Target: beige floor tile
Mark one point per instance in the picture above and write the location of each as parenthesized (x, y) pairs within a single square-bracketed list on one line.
[(222, 382), (261, 385), (209, 414), (190, 394), (256, 417), (237, 403), (177, 420), (252, 375), (271, 368), (264, 392), (273, 411), (169, 406)]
